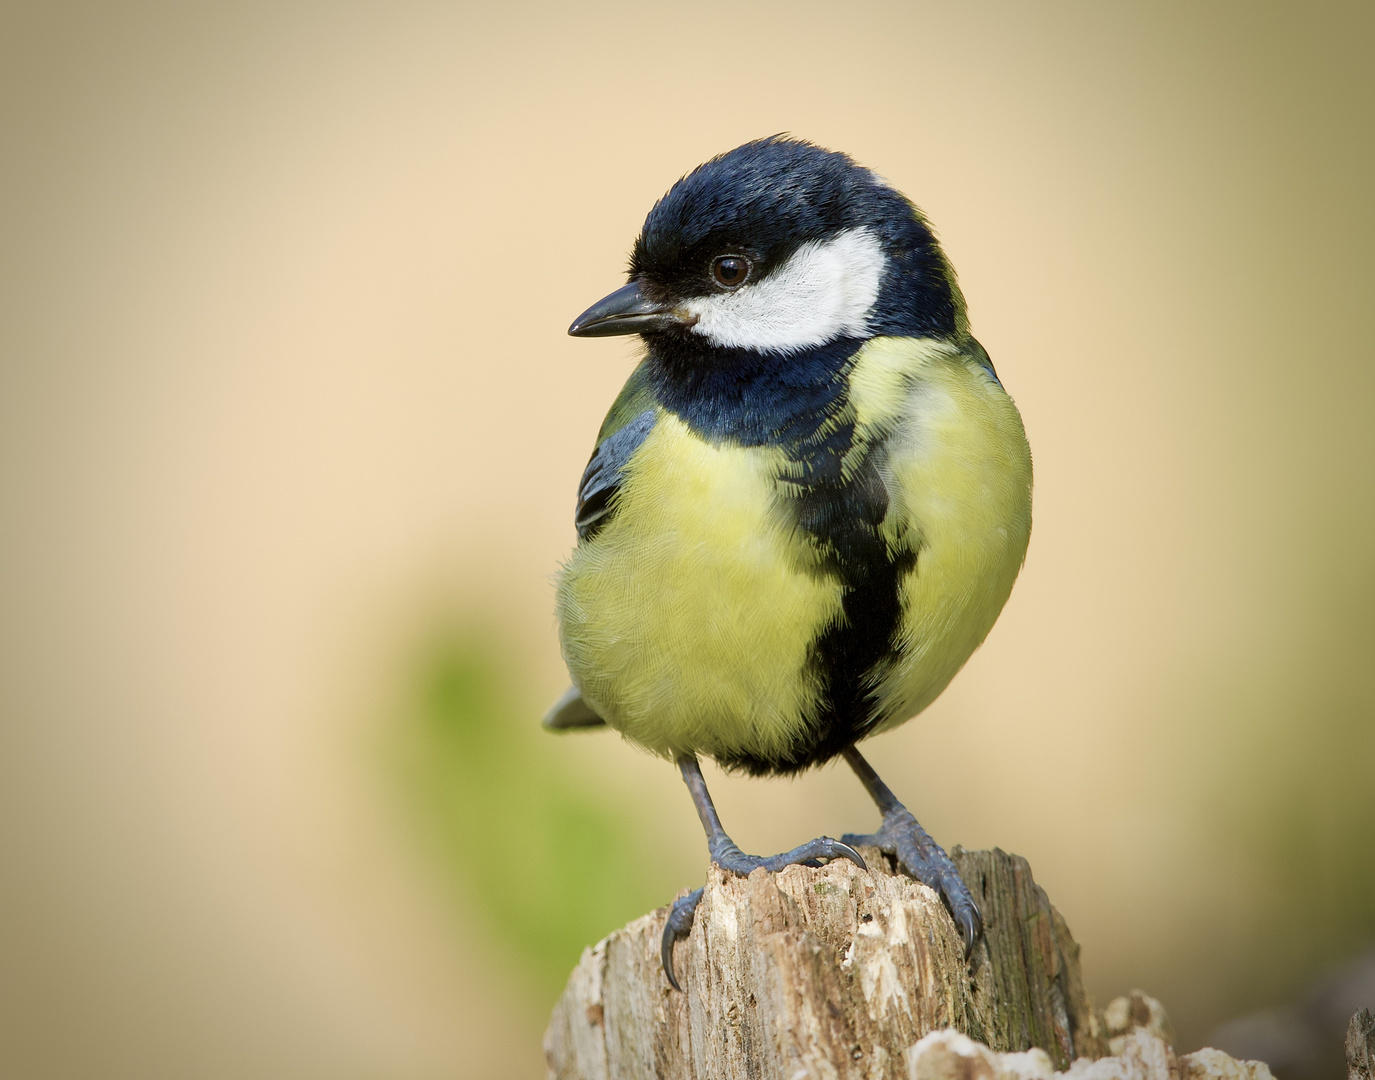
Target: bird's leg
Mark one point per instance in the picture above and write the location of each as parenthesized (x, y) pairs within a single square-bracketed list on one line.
[(725, 854), (901, 835)]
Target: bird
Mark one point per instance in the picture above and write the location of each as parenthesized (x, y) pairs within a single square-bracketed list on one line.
[(808, 505)]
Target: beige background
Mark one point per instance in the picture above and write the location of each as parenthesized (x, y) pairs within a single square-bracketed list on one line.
[(284, 382)]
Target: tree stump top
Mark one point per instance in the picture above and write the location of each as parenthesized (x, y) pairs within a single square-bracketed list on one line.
[(832, 971), (838, 973)]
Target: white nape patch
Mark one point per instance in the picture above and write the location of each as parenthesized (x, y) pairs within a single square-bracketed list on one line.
[(825, 290)]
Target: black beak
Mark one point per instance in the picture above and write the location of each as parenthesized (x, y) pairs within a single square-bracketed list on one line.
[(628, 311)]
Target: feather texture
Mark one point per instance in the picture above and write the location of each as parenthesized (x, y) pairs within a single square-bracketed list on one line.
[(691, 619)]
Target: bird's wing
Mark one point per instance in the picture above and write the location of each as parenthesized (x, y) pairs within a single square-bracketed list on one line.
[(981, 355), (629, 422), (570, 711)]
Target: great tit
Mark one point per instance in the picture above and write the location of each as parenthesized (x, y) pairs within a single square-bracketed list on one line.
[(807, 506)]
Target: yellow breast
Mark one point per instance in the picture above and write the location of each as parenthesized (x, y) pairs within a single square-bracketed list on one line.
[(687, 621), (958, 474)]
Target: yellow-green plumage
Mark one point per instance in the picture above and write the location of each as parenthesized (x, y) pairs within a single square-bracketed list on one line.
[(808, 505), (688, 620)]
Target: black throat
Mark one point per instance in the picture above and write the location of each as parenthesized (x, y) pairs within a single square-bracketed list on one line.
[(800, 403)]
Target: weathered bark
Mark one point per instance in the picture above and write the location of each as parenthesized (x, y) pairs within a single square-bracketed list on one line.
[(840, 973), (1026, 988), (1360, 1047), (832, 971)]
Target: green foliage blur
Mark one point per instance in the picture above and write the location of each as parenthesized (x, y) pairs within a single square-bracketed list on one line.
[(546, 858)]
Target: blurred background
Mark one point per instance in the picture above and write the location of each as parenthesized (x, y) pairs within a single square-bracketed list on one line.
[(290, 431)]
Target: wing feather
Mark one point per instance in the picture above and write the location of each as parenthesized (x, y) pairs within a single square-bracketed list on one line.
[(602, 478)]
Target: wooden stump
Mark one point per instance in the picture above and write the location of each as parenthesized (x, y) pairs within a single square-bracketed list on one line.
[(830, 972), (1360, 1047), (839, 973)]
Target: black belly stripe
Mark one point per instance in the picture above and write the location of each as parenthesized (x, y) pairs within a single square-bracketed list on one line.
[(802, 406), (851, 655)]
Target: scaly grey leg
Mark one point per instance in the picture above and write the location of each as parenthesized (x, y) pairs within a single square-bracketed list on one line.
[(725, 854), (902, 836)]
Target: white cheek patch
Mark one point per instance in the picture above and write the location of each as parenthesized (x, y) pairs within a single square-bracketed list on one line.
[(824, 291)]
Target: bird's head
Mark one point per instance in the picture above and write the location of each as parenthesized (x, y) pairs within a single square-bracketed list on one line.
[(777, 247)]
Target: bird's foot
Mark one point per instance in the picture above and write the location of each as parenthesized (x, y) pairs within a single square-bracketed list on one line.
[(678, 926), (726, 855), (902, 836)]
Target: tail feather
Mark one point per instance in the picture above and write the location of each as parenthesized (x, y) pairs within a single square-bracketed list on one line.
[(571, 711)]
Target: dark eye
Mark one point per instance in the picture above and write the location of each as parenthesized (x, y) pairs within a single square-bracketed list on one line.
[(731, 270)]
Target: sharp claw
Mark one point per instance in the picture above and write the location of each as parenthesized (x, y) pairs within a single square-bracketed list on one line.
[(676, 927), (970, 922), (972, 933), (823, 847), (826, 848), (846, 851), (666, 955), (729, 857), (902, 836)]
